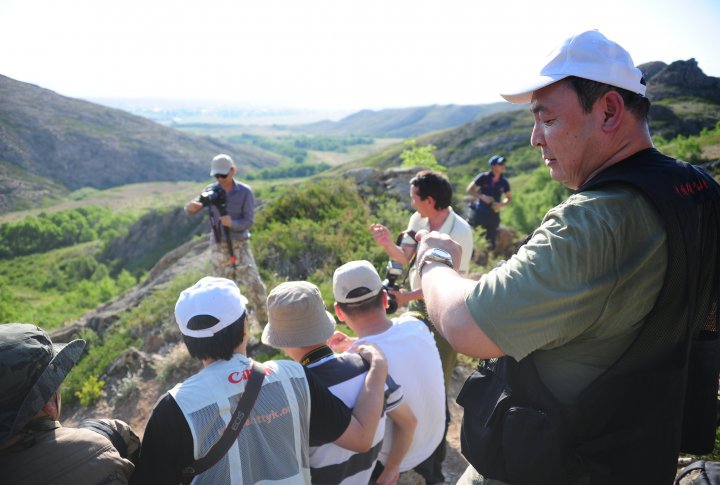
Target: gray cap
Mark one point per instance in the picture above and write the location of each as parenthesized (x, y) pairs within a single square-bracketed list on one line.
[(31, 370), (221, 164), (297, 316)]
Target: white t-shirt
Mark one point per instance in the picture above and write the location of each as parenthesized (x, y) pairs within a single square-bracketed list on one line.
[(414, 363), (454, 226)]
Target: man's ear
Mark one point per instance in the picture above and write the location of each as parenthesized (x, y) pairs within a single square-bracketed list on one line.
[(338, 311), (613, 108), (385, 298), (432, 201), (52, 407)]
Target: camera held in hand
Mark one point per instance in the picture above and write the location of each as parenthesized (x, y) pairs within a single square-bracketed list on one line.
[(214, 195), (392, 271)]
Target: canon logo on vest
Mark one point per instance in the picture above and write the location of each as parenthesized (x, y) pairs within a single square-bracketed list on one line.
[(237, 377)]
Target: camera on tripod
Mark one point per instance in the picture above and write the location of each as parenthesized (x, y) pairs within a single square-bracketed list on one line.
[(392, 271), (215, 195)]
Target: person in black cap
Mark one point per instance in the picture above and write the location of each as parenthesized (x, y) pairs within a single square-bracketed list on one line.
[(491, 191), (34, 447)]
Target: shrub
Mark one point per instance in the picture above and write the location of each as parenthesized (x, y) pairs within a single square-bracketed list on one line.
[(688, 149), (90, 391), (80, 383), (60, 229), (126, 388), (420, 156), (530, 204)]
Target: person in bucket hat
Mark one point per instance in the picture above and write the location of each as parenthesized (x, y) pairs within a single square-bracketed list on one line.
[(300, 325), (291, 408), (589, 337), (33, 443)]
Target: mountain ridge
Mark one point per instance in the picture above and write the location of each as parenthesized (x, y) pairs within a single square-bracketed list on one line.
[(47, 138), (403, 122), (51, 144), (684, 102)]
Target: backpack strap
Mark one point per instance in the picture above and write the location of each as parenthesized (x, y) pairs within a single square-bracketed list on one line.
[(229, 436)]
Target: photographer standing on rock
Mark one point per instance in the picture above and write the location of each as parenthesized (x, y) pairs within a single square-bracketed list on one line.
[(232, 213)]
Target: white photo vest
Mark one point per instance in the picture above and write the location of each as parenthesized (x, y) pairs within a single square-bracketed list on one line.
[(273, 445)]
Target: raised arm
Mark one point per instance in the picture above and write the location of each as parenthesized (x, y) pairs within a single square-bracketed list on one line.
[(381, 235)]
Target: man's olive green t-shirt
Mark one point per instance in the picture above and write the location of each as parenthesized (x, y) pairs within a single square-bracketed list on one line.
[(578, 292)]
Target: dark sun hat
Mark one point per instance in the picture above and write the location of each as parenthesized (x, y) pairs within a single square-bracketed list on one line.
[(31, 370)]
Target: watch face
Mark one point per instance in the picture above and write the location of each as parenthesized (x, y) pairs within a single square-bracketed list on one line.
[(440, 253)]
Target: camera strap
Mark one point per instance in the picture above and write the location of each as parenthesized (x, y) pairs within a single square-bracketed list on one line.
[(215, 227), (232, 431)]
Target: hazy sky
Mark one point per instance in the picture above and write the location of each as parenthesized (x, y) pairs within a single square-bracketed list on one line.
[(338, 54)]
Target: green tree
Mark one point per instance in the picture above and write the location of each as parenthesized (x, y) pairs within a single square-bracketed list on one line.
[(420, 156)]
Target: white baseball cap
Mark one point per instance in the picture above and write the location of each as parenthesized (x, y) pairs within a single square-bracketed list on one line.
[(589, 55), (211, 303), (221, 164)]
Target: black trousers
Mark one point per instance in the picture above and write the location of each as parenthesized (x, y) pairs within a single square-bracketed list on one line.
[(488, 220)]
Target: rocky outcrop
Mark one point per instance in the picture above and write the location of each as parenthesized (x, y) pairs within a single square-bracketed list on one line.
[(394, 182), (680, 79)]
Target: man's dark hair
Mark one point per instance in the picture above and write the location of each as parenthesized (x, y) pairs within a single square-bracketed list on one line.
[(221, 345), (433, 184), (372, 303), (588, 92)]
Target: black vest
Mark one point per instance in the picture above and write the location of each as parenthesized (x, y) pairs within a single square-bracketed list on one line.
[(629, 424)]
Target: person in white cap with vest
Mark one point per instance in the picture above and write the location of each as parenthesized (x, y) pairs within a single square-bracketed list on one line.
[(232, 213), (300, 325), (593, 324), (413, 361), (291, 409)]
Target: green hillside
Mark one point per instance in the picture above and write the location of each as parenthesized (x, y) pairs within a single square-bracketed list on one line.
[(403, 122), (51, 145)]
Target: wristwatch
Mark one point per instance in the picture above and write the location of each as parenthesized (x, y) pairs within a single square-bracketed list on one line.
[(435, 255)]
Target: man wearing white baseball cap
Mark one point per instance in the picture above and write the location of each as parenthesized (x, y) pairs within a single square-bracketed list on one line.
[(598, 318), (291, 408)]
